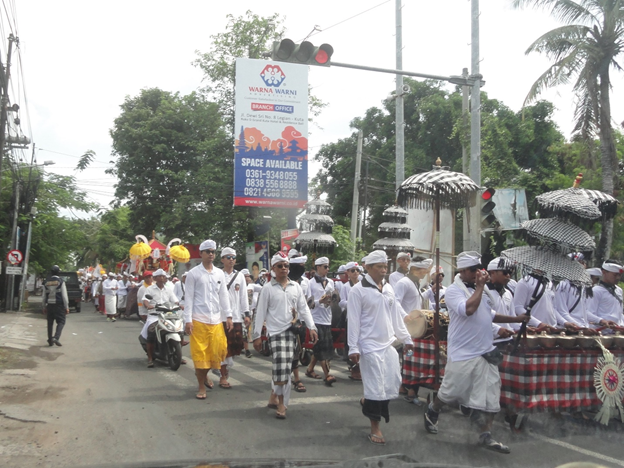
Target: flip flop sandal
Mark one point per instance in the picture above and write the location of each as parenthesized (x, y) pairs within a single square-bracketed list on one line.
[(150, 364), (376, 440), (272, 406), (201, 396), (209, 385), (225, 385), (355, 378), (312, 375), (329, 380), (299, 387), (279, 415)]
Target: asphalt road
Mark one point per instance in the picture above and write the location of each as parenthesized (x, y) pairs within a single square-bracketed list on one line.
[(94, 402)]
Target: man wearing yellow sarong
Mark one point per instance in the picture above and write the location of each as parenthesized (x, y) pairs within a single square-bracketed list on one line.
[(206, 302)]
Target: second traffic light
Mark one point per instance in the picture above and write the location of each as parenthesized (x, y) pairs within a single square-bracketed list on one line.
[(305, 53), (488, 218)]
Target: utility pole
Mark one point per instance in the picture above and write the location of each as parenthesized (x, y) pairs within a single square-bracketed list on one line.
[(356, 189), (365, 209), (475, 130), (14, 245), (5, 75), (465, 157), (400, 127)]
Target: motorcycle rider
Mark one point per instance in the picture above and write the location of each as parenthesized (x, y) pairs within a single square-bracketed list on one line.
[(160, 295), (55, 304)]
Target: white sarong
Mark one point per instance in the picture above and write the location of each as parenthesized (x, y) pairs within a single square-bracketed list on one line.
[(110, 304), (121, 302), (474, 383), (381, 374)]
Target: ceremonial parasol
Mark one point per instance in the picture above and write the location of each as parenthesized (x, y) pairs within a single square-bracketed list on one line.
[(607, 205), (179, 253), (141, 249), (548, 263), (437, 188), (561, 235), (316, 226), (568, 205), (394, 232)]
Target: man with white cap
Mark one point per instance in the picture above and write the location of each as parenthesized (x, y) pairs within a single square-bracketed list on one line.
[(436, 283), (160, 294), (375, 322), (500, 299), (237, 290), (321, 290), (109, 289), (353, 275), (282, 305), (403, 260), (409, 297), (543, 314), (122, 293), (206, 303), (471, 376), (607, 301), (146, 283), (296, 274)]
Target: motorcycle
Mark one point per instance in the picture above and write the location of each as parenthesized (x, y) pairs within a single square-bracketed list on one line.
[(169, 333)]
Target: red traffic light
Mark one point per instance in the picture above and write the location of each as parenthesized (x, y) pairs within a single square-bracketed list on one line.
[(323, 54), (488, 194)]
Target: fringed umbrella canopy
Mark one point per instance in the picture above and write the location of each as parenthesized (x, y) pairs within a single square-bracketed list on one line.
[(315, 241), (453, 189), (310, 220), (547, 263), (388, 229), (392, 244), (141, 249), (561, 235), (567, 205), (395, 214), (317, 206), (605, 202)]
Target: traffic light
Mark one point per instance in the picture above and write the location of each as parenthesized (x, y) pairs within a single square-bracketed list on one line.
[(487, 208), (305, 53)]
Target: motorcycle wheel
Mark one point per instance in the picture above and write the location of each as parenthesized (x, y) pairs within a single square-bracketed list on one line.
[(306, 357), (175, 355)]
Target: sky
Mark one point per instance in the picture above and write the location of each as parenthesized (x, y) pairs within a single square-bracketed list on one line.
[(79, 59)]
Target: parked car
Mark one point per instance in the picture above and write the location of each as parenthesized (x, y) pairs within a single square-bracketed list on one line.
[(74, 291)]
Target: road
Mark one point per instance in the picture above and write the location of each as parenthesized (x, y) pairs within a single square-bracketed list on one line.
[(94, 402)]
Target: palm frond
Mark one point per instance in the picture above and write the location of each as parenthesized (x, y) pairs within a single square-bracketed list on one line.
[(558, 73), (560, 41), (567, 11)]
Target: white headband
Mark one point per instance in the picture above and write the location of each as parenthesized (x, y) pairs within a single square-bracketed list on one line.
[(612, 267), (278, 258), (426, 264)]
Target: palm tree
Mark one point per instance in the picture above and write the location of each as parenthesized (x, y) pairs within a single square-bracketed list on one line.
[(584, 50)]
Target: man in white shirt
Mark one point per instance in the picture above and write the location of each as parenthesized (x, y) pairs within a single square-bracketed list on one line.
[(321, 290), (409, 297), (237, 291), (160, 294), (471, 374), (295, 273), (353, 276), (122, 293), (280, 305), (375, 321), (403, 260), (179, 289), (147, 282), (607, 300), (500, 300), (109, 289), (436, 283), (206, 303)]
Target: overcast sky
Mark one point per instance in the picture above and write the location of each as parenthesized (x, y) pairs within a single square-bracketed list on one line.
[(82, 58)]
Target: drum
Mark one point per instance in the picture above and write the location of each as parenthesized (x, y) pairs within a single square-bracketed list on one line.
[(417, 324)]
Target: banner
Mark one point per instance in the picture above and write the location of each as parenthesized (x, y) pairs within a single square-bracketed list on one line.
[(257, 255), (271, 152), (288, 237)]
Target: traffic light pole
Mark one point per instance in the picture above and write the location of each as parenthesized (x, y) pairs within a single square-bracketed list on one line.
[(399, 126), (475, 131)]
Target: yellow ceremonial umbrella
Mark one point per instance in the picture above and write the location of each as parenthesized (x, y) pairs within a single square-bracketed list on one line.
[(179, 253), (141, 249)]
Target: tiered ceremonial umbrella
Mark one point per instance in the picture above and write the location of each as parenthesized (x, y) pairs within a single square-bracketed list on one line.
[(561, 235), (316, 226), (394, 232), (437, 188)]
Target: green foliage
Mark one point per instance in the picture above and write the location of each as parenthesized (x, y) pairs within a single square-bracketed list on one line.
[(86, 159), (343, 253), (174, 168)]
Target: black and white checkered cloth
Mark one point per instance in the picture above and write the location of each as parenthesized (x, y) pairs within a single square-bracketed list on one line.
[(571, 206), (282, 352), (566, 236), (605, 202)]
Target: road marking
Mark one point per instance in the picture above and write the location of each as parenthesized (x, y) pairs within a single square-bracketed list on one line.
[(579, 450)]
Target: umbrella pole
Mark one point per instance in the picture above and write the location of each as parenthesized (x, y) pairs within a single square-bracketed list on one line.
[(436, 317)]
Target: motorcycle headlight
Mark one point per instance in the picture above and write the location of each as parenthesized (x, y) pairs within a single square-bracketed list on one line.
[(169, 327)]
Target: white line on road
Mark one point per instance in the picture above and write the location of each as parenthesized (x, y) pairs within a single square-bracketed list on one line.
[(579, 450), (304, 401)]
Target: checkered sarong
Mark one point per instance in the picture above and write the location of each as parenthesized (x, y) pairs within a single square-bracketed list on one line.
[(283, 352), (419, 369)]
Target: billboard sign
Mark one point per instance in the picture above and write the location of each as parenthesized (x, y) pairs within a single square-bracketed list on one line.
[(257, 256), (271, 130), (288, 237)]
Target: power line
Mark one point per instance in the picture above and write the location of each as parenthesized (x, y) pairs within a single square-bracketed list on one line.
[(344, 21)]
